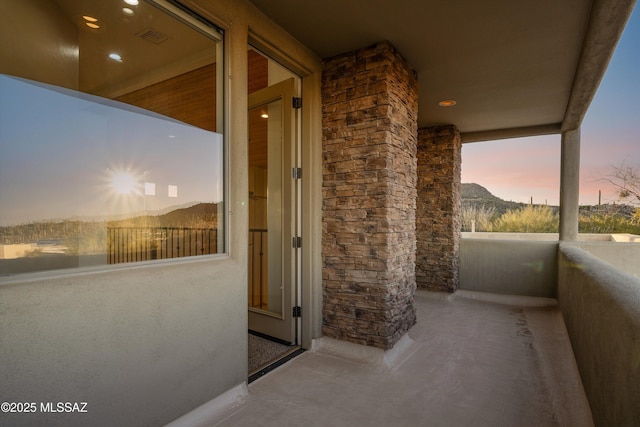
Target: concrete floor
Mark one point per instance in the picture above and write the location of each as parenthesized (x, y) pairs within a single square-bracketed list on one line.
[(473, 359)]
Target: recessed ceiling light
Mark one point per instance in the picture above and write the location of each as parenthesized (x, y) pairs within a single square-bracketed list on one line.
[(447, 103), (92, 25), (89, 18), (127, 11), (115, 57), (131, 2)]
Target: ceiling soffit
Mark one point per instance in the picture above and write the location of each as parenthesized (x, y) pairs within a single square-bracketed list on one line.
[(509, 65)]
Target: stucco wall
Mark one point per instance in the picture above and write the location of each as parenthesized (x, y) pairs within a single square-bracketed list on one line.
[(140, 345), (601, 308), (145, 344), (625, 256), (512, 267)]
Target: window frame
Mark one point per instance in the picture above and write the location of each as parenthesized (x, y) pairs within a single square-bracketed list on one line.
[(177, 11)]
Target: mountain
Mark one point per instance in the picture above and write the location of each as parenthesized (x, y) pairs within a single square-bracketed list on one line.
[(476, 195), (201, 215)]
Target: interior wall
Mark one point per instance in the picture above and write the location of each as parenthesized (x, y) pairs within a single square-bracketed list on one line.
[(48, 41), (258, 78)]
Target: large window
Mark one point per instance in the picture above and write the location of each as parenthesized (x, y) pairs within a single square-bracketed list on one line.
[(111, 147)]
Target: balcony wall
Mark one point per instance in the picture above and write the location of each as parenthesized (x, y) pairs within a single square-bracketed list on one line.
[(141, 345), (601, 308), (623, 254), (515, 267), (525, 263), (596, 284)]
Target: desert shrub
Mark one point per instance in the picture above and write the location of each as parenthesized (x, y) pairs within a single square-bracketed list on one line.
[(608, 223), (482, 215), (530, 219), (635, 218)]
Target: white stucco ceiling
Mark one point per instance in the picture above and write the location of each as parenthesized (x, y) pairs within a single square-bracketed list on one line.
[(509, 65)]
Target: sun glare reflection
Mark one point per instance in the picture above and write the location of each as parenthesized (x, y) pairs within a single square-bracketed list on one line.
[(124, 192), (123, 182)]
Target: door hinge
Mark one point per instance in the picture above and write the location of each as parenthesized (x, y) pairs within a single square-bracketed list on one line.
[(297, 173), (297, 311), (297, 102), (297, 242)]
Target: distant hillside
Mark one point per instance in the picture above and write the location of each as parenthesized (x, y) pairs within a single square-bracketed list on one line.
[(204, 213), (476, 195), (201, 215)]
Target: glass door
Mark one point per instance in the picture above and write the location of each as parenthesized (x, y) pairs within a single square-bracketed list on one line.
[(273, 211)]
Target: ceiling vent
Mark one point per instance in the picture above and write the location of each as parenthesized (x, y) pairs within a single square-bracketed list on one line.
[(152, 35)]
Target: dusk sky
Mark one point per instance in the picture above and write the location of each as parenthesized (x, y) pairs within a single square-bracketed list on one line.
[(519, 169)]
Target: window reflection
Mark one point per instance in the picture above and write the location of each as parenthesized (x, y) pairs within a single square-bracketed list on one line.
[(80, 175), (107, 145)]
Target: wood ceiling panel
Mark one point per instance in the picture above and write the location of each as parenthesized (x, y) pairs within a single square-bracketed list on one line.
[(189, 97), (258, 79)]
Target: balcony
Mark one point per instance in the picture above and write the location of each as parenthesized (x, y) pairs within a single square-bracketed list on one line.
[(472, 359), (480, 358)]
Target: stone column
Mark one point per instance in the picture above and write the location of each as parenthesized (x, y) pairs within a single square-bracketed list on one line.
[(569, 185), (438, 213), (370, 108)]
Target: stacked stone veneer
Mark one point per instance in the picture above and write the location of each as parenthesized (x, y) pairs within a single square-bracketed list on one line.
[(438, 214), (369, 103)]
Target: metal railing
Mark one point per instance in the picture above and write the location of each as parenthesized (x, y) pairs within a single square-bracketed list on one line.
[(133, 244), (258, 268)]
